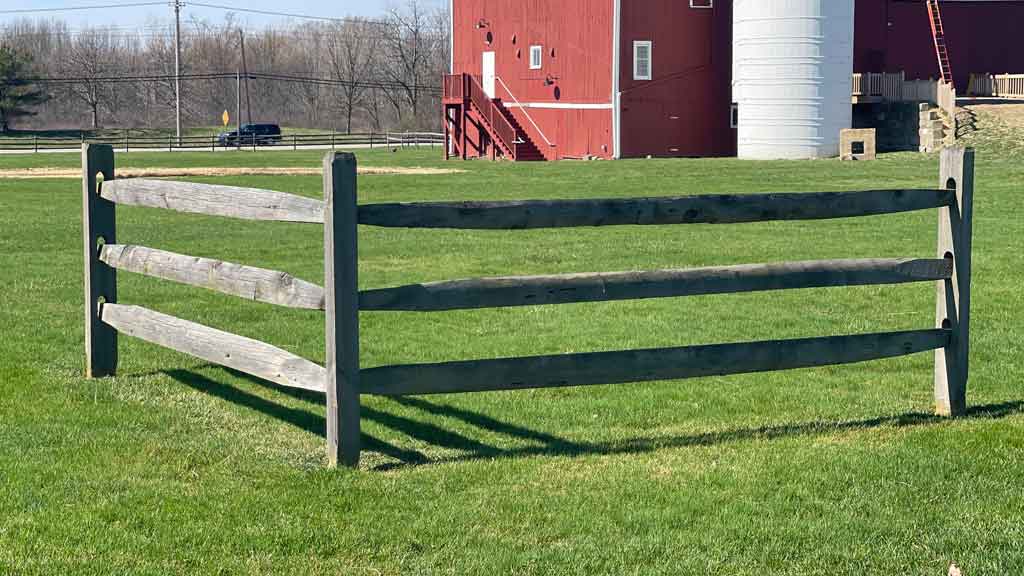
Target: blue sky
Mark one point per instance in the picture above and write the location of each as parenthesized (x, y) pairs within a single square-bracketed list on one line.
[(144, 15)]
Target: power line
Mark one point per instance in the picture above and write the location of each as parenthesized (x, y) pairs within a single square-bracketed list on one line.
[(289, 15), (383, 85), (69, 8)]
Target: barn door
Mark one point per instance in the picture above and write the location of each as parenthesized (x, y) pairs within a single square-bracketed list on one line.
[(488, 73)]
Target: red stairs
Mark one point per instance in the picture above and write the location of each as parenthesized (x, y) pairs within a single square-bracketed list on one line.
[(939, 35), (499, 133)]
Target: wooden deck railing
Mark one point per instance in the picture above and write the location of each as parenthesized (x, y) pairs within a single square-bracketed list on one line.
[(894, 87), (343, 381), (997, 85)]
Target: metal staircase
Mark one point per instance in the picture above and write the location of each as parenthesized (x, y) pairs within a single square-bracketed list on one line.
[(939, 35)]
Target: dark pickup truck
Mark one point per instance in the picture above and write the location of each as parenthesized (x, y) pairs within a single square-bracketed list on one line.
[(249, 134)]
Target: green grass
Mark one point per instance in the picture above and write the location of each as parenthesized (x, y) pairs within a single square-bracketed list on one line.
[(190, 131), (429, 157), (176, 466)]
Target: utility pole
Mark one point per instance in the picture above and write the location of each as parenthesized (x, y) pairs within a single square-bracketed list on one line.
[(238, 107), (177, 68), (245, 72)]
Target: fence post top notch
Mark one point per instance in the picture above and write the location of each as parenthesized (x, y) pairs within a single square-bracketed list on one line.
[(333, 158)]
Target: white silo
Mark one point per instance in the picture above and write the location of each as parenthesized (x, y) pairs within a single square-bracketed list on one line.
[(792, 70)]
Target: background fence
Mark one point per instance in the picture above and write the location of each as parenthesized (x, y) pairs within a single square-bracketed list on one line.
[(343, 381), (127, 142)]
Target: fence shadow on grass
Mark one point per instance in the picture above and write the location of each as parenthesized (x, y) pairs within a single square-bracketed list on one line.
[(545, 444), (300, 418)]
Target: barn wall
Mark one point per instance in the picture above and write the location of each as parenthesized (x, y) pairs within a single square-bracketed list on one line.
[(894, 35), (577, 40), (685, 109)]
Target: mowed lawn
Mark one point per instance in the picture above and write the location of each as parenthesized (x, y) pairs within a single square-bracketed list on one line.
[(177, 466)]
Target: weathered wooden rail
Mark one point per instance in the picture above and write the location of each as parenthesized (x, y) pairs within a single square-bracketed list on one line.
[(342, 380)]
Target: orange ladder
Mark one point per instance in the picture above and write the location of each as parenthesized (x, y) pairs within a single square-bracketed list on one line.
[(935, 17)]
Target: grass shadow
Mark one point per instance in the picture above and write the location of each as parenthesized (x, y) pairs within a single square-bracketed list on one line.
[(543, 443), (302, 419)]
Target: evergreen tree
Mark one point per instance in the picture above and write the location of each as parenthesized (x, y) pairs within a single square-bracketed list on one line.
[(17, 93)]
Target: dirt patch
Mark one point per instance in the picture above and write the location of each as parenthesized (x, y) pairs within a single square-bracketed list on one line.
[(996, 128), (1011, 114), (233, 171)]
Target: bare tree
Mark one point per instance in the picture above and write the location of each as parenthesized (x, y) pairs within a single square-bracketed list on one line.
[(91, 61), (407, 41), (353, 75), (351, 47)]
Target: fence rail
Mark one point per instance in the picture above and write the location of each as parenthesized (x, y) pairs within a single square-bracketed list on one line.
[(343, 381), (627, 366), (128, 142), (703, 209), (997, 85)]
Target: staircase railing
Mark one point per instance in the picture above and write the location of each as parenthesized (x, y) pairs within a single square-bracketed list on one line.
[(502, 129), (525, 112), (454, 86)]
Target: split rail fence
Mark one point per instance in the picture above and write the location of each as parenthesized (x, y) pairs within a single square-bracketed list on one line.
[(342, 379), (127, 141)]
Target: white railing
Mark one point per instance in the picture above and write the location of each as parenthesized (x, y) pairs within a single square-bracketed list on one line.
[(997, 85), (525, 112), (894, 87)]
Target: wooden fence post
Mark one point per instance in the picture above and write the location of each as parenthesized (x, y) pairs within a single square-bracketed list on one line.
[(953, 302), (341, 291), (98, 223)]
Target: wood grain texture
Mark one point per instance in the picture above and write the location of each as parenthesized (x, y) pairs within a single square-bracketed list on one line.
[(98, 222), (215, 200), (251, 283), (953, 296), (707, 209), (341, 288), (599, 287), (644, 365), (237, 352)]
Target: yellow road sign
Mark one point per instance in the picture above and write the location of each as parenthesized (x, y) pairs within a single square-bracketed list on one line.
[(225, 118)]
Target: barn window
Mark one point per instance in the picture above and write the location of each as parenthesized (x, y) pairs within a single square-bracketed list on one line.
[(642, 60), (701, 3), (536, 57)]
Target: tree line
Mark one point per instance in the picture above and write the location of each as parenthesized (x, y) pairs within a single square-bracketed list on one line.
[(352, 74)]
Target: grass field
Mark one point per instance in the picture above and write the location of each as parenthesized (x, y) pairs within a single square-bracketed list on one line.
[(190, 131), (176, 466)]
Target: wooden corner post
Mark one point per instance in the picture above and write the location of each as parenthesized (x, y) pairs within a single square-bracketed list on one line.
[(98, 228), (953, 302), (341, 291)]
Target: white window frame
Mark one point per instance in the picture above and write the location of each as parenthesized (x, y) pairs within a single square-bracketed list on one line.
[(539, 51), (650, 59), (710, 4)]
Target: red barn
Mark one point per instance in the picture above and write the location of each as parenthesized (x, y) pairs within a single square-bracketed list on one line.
[(552, 79), (894, 36)]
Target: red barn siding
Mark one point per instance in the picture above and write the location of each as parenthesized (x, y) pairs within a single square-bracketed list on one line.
[(894, 35), (685, 109), (580, 34)]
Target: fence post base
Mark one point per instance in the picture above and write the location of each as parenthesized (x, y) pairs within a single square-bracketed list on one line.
[(953, 301)]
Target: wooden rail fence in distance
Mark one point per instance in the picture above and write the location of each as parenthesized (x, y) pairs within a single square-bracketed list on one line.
[(343, 381)]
